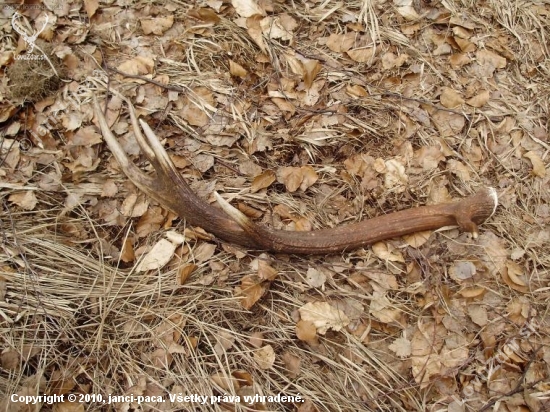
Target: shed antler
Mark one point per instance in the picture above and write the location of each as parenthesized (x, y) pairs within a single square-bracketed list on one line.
[(229, 224)]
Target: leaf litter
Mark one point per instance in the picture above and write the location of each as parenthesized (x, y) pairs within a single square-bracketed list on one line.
[(306, 115)]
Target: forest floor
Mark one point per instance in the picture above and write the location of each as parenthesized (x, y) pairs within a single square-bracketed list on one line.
[(305, 115)]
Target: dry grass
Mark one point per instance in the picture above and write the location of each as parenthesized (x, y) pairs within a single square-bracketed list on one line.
[(77, 317)]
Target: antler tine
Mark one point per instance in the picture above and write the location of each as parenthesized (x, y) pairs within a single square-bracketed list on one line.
[(140, 179), (142, 142), (168, 187)]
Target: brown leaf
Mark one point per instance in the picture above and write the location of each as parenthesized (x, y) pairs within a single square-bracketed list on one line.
[(185, 271), (204, 252), (262, 181), (292, 364), (157, 25), (91, 7), (341, 42), (315, 278), (490, 61), (306, 330), (284, 105), (539, 169), (450, 98), (252, 289), (458, 60), (127, 253), (205, 14), (356, 91), (401, 347), (26, 200), (309, 177), (386, 251), (237, 70), (291, 177), (479, 100), (150, 221), (417, 239), (462, 270), (265, 271), (362, 55), (311, 69), (459, 170), (138, 65), (265, 357)]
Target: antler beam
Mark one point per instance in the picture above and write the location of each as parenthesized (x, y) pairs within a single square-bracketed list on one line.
[(170, 190)]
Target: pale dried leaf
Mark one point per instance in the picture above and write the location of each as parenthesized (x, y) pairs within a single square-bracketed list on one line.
[(324, 316), (480, 99), (387, 252), (237, 70), (247, 8), (291, 177), (382, 309), (315, 278), (204, 252), (157, 25), (26, 200), (462, 270), (539, 169), (292, 364), (395, 177), (309, 177), (417, 239), (265, 357), (478, 314), (450, 98), (401, 347), (306, 330), (158, 256)]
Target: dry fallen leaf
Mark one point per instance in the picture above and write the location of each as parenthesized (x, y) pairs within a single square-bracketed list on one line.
[(185, 271), (417, 239), (539, 169), (401, 347), (26, 200), (291, 177), (386, 251), (306, 330), (251, 290), (450, 98), (157, 25), (324, 316), (382, 308), (315, 278), (480, 99), (263, 180), (265, 357), (462, 270), (237, 70), (139, 65), (158, 256), (247, 8), (204, 252), (292, 364)]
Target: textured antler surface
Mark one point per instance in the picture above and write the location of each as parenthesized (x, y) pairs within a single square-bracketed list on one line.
[(229, 224)]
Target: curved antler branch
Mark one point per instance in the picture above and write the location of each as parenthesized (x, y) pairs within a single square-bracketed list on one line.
[(171, 190)]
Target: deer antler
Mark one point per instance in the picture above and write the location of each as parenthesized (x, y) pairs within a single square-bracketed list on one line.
[(19, 29), (229, 224)]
